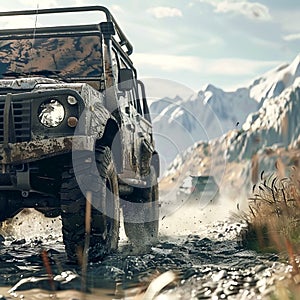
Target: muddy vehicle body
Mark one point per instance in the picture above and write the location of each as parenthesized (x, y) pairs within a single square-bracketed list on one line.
[(74, 121)]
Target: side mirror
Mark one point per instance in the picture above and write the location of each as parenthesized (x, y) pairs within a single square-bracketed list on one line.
[(125, 80)]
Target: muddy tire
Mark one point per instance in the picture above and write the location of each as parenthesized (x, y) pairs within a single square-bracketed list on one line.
[(105, 211), (143, 233), (8, 205)]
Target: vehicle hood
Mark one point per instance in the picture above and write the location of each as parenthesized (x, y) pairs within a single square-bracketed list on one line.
[(26, 83)]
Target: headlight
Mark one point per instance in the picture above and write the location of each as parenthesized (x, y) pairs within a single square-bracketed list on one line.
[(51, 113)]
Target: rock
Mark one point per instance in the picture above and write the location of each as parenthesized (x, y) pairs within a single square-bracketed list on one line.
[(18, 242), (217, 277)]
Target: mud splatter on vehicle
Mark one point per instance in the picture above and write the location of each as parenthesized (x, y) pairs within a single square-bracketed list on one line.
[(74, 119)]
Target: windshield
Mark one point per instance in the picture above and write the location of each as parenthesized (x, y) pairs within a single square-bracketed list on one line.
[(70, 57)]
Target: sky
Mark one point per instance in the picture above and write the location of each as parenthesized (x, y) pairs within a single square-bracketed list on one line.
[(227, 43)]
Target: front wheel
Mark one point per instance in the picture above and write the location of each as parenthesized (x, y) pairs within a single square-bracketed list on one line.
[(143, 232), (9, 205), (102, 183)]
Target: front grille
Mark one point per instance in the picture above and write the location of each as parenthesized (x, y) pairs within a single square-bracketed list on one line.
[(21, 112)]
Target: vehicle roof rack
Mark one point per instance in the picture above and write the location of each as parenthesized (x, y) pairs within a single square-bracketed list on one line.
[(123, 41)]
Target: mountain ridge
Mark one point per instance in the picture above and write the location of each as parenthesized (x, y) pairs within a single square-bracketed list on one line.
[(179, 123), (269, 137)]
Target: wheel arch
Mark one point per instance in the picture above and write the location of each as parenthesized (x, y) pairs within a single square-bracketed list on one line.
[(112, 138)]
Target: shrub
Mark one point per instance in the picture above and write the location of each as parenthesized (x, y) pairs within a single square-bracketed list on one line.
[(274, 223)]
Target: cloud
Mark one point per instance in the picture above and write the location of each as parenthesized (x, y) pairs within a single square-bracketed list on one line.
[(208, 67), (41, 4), (27, 4), (169, 63), (251, 10), (292, 37), (164, 12), (288, 19), (237, 66), (17, 22), (194, 71), (116, 8)]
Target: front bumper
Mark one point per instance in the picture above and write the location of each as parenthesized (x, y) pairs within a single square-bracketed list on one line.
[(24, 152)]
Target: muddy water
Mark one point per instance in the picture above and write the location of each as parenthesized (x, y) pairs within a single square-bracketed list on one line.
[(203, 253)]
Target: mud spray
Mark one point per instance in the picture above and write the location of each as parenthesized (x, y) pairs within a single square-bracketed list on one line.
[(182, 220), (30, 224)]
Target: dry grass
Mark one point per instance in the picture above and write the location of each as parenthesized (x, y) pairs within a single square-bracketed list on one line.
[(274, 222), (274, 219)]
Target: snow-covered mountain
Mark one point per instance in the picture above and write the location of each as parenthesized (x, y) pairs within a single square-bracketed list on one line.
[(272, 83), (275, 124), (269, 137), (179, 123)]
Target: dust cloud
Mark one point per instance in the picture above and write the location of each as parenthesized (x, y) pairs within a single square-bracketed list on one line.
[(187, 219), (30, 224), (194, 219)]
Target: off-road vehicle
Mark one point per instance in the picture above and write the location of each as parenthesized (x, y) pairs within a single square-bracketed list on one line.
[(199, 189), (75, 129)]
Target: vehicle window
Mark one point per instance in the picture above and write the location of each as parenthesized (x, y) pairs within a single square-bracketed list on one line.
[(115, 64), (123, 99), (143, 101), (133, 94), (123, 64), (131, 99), (137, 101)]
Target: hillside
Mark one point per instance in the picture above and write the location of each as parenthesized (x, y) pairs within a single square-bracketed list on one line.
[(179, 123), (268, 138)]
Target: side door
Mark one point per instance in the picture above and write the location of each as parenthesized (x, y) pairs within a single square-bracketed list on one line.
[(140, 123), (144, 135), (128, 128)]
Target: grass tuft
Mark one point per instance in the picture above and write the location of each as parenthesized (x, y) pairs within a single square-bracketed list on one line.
[(274, 222), (274, 218)]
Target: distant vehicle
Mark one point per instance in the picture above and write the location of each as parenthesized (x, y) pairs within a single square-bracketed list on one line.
[(203, 189)]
